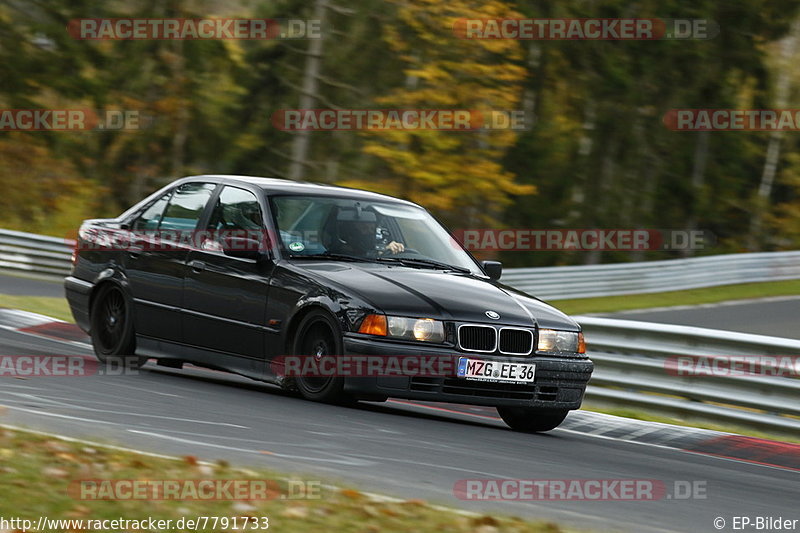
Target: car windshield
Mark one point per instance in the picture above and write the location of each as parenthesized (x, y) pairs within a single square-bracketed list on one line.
[(355, 229)]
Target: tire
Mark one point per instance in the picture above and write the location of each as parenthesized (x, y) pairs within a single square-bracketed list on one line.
[(318, 335), (531, 419), (111, 320)]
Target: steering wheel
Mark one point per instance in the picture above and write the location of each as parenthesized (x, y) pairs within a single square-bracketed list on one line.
[(406, 251)]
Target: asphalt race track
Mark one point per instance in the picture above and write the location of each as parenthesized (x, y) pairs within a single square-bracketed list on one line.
[(397, 448), (19, 285), (777, 316)]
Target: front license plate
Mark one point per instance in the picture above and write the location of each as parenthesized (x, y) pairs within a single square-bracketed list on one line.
[(480, 370)]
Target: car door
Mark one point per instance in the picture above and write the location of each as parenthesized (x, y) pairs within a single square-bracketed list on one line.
[(225, 297), (155, 262)]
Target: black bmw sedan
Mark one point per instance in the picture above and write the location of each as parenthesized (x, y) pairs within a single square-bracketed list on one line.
[(338, 294)]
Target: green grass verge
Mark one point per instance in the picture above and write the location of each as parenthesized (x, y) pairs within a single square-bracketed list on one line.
[(44, 305), (609, 304), (37, 472)]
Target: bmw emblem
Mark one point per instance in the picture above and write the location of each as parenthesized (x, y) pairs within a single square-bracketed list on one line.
[(493, 315)]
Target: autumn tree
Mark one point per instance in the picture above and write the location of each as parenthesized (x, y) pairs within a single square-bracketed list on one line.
[(458, 174)]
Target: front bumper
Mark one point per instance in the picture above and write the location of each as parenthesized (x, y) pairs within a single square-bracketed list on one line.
[(559, 382)]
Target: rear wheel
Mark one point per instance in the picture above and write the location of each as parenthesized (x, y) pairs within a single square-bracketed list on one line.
[(531, 419), (317, 337), (113, 337)]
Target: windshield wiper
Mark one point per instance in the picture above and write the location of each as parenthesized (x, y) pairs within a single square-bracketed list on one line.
[(415, 261), (333, 257)]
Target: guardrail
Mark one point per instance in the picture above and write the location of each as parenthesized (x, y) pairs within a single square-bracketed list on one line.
[(637, 365), (558, 283), (51, 256), (632, 358), (37, 254)]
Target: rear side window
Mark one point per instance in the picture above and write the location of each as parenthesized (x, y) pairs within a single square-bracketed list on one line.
[(151, 217), (186, 206)]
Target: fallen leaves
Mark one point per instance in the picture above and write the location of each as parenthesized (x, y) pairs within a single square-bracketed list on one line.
[(351, 493), (52, 472), (56, 446), (295, 512), (64, 456), (485, 520), (243, 507)]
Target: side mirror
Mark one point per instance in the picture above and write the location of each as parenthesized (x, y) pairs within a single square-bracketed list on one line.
[(242, 248), (493, 269)]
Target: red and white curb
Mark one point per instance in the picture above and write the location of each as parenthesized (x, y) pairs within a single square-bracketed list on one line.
[(42, 326)]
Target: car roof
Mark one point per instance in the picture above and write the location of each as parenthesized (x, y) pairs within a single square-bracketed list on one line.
[(281, 186)]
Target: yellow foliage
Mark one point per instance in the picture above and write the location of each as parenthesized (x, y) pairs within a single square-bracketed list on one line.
[(457, 173), (41, 194), (785, 219)]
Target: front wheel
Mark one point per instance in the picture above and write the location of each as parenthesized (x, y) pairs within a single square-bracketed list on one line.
[(113, 337), (317, 337), (531, 419)]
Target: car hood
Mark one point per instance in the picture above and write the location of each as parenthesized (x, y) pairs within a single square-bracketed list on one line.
[(417, 292)]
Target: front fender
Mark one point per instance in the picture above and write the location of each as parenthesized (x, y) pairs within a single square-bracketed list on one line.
[(293, 293)]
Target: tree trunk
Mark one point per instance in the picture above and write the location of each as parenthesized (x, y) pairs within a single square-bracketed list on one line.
[(788, 48), (697, 183), (302, 139)]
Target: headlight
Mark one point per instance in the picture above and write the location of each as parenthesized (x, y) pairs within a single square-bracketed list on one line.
[(412, 329), (416, 329), (553, 340)]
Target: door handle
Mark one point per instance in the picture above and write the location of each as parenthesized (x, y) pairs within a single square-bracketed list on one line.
[(137, 246), (197, 266)]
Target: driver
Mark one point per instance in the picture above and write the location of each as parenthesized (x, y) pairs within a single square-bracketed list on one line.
[(358, 236), (357, 233)]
